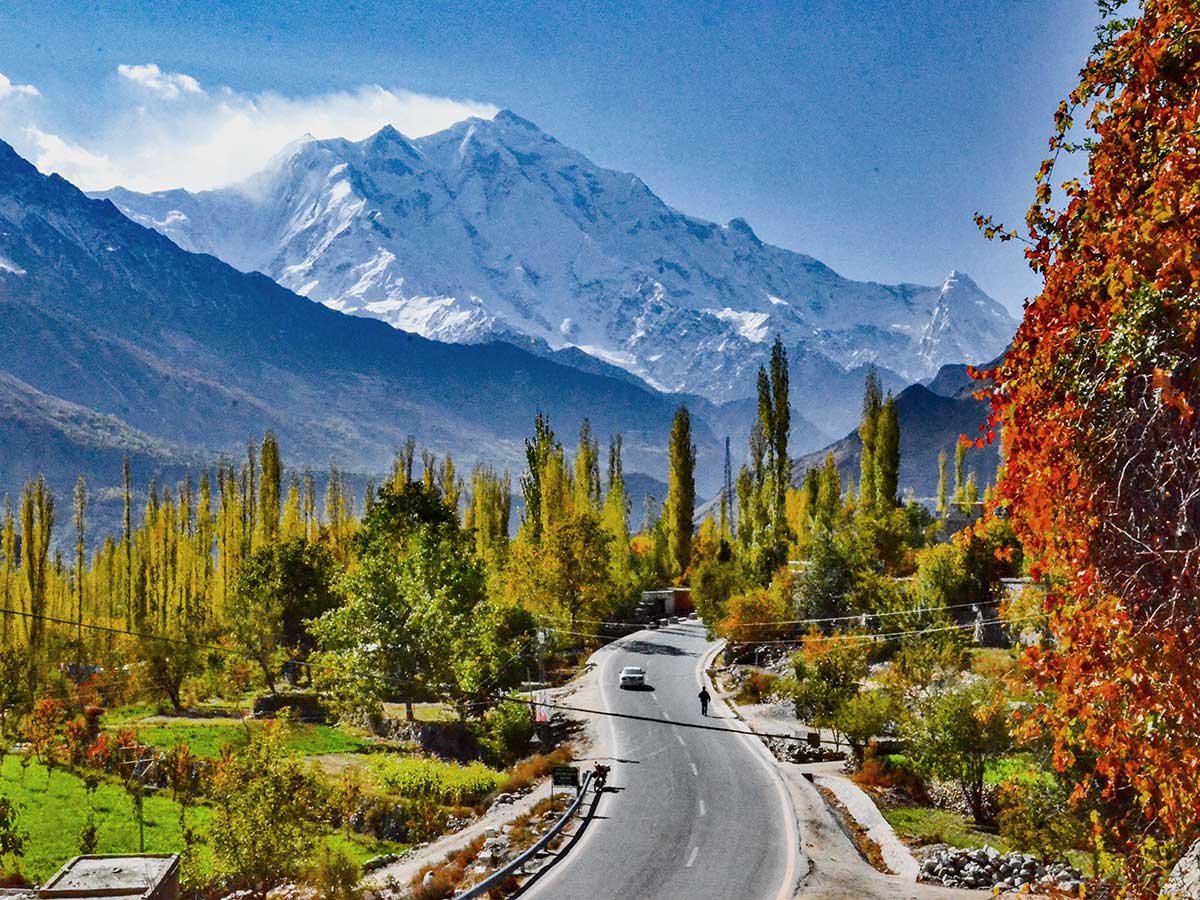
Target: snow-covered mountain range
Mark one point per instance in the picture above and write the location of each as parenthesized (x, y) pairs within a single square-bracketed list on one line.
[(493, 229)]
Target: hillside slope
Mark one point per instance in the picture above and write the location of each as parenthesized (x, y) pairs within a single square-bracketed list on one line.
[(101, 313)]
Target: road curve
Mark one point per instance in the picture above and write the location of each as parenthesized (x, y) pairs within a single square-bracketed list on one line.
[(690, 813)]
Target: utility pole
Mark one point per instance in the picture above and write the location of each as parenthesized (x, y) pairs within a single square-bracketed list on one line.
[(543, 729), (727, 494)]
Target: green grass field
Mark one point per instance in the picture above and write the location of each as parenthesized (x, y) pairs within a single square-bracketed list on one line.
[(925, 825), (54, 812), (205, 738)]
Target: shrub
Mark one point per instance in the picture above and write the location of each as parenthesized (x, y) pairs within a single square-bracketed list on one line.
[(526, 772), (890, 772), (757, 687), (416, 777), (335, 876), (259, 835), (864, 716), (504, 733), (76, 735), (1036, 816)]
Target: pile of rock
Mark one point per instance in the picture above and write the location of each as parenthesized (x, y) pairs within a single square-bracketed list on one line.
[(987, 868), (948, 795)]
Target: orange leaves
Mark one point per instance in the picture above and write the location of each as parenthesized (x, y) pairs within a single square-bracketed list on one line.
[(1172, 396), (1097, 396)]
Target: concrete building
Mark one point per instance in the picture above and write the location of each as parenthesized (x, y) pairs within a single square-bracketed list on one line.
[(144, 877)]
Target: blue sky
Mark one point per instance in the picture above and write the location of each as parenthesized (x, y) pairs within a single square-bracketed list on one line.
[(864, 134)]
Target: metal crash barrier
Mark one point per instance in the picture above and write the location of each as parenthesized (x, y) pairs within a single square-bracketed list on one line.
[(516, 865)]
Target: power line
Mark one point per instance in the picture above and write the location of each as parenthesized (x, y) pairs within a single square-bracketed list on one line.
[(878, 615), (872, 636), (618, 715), (812, 621), (147, 636), (888, 635)]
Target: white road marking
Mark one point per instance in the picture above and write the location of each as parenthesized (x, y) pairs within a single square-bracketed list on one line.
[(695, 771), (703, 809), (666, 715), (760, 752), (681, 741), (692, 856)]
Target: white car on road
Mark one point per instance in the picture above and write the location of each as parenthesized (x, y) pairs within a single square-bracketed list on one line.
[(633, 676)]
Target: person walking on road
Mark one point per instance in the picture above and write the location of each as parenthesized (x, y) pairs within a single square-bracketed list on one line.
[(704, 698)]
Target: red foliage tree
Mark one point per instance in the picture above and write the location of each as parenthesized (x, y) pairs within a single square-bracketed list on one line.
[(1097, 398)]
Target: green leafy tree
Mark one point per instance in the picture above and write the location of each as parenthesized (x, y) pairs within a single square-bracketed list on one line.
[(956, 735), (260, 834), (408, 601), (828, 673), (280, 587), (824, 586)]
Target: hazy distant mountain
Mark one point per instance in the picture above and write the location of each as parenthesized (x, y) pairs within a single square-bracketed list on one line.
[(492, 228), (114, 340), (929, 423)]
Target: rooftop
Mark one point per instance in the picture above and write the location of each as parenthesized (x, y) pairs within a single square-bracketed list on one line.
[(110, 876)]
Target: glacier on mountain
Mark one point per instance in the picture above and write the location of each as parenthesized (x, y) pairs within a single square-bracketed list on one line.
[(492, 229)]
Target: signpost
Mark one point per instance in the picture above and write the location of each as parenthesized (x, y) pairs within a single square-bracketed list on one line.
[(564, 776)]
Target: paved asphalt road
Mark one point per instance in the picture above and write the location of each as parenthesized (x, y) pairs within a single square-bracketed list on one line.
[(694, 814)]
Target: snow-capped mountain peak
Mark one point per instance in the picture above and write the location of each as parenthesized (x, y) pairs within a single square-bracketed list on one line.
[(493, 228)]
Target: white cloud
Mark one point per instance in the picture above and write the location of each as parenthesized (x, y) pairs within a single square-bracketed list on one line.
[(8, 89), (209, 139), (168, 85), (53, 154)]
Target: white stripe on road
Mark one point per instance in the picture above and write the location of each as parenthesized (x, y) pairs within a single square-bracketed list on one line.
[(703, 809), (768, 762), (695, 771), (682, 743), (692, 858)]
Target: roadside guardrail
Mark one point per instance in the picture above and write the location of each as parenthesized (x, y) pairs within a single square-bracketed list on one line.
[(500, 874)]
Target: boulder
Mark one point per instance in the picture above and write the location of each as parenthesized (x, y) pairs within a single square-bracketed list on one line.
[(1184, 882)]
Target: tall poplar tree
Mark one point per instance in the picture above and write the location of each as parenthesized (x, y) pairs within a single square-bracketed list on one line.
[(872, 403), (8, 557), (37, 526), (587, 471), (887, 455), (80, 509), (941, 489), (615, 517), (270, 482), (681, 492), (537, 454), (781, 427)]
